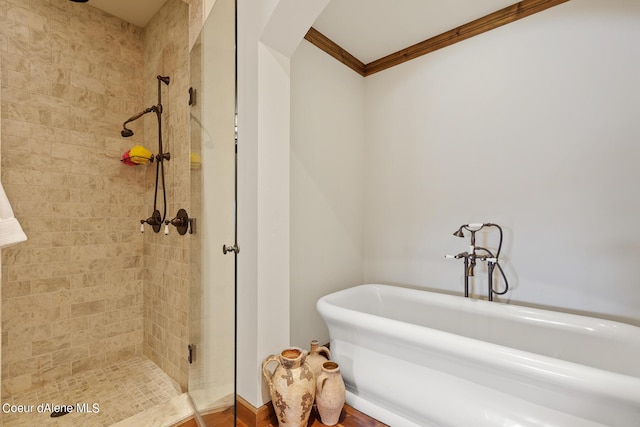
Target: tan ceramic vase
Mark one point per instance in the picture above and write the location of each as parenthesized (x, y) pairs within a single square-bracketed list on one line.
[(330, 393), (292, 387), (317, 356)]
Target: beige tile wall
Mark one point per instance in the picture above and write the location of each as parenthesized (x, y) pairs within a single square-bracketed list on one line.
[(196, 19), (166, 258), (73, 295)]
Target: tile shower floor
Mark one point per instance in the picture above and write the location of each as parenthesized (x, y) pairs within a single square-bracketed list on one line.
[(118, 392)]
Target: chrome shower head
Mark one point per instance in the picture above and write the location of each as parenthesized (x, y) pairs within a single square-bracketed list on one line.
[(458, 232), (126, 132)]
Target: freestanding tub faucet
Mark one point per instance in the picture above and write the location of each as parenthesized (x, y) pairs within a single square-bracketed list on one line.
[(471, 258)]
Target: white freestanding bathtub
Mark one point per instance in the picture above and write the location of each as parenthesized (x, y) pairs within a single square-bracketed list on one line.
[(417, 358)]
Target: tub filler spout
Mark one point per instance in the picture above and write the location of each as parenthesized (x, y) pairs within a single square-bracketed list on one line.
[(471, 258)]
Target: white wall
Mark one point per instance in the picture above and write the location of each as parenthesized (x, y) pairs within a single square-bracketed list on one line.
[(533, 126), (327, 188), (251, 19), (481, 131), (265, 45)]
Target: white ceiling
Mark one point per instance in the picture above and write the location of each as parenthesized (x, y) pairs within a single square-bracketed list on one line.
[(368, 29), (137, 12), (372, 29)]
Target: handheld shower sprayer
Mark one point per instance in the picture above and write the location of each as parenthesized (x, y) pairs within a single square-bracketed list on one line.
[(472, 228), (471, 257)]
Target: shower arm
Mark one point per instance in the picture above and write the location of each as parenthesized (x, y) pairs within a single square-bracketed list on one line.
[(153, 109)]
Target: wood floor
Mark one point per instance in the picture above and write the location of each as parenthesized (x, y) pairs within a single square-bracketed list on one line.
[(349, 418)]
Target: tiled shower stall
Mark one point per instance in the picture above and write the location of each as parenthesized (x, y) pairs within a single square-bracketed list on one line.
[(87, 289)]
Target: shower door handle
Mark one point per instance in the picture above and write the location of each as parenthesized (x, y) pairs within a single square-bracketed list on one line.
[(190, 357), (231, 248)]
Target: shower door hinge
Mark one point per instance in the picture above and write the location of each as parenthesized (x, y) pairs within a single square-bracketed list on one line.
[(192, 96), (191, 356)]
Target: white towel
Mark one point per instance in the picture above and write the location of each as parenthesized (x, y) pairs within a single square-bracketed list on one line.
[(10, 229)]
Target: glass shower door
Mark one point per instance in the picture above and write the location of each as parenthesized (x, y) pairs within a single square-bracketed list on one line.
[(213, 196)]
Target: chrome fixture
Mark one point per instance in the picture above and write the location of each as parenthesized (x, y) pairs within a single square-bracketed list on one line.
[(156, 219), (471, 257)]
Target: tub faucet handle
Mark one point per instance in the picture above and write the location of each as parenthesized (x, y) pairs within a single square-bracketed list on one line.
[(464, 255)]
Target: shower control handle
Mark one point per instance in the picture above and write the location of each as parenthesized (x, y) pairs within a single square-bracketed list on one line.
[(230, 248), (181, 222), (155, 221)]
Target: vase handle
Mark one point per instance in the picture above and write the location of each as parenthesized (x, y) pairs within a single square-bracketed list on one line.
[(268, 376), (325, 350), (322, 378)]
